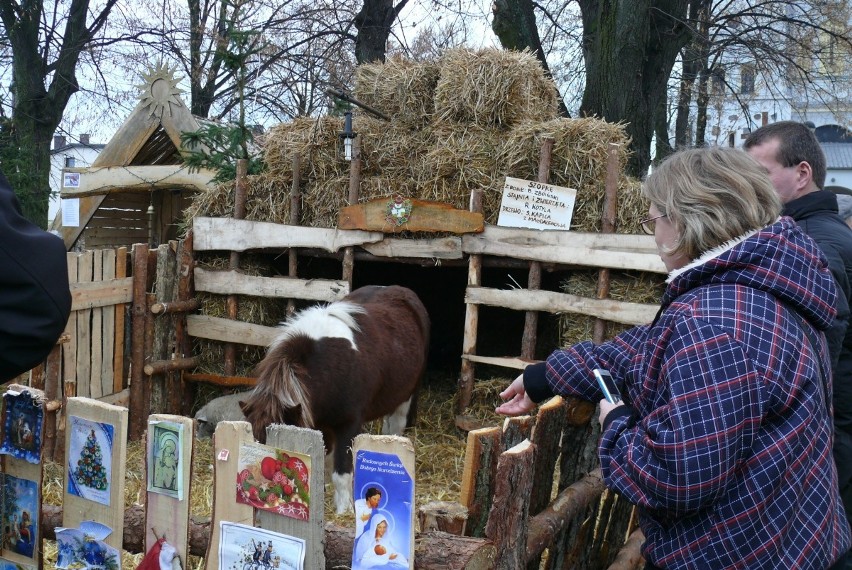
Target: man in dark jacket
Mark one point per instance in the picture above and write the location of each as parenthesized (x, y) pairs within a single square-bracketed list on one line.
[(796, 165), (35, 299)]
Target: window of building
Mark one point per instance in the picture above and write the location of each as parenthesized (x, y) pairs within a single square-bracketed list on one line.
[(746, 79), (70, 161)]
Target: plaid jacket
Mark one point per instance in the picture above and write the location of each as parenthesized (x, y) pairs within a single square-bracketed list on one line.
[(726, 441)]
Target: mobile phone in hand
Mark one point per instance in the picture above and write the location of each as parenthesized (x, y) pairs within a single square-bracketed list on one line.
[(608, 387)]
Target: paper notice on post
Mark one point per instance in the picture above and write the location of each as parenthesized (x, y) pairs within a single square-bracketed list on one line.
[(528, 204), (71, 212)]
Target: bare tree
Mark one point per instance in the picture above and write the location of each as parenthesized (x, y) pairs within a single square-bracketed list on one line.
[(47, 42)]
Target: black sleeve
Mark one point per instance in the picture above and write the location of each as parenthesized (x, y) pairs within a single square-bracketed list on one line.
[(35, 299), (535, 383)]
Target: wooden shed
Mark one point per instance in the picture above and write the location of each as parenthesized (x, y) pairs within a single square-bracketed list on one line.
[(137, 188)]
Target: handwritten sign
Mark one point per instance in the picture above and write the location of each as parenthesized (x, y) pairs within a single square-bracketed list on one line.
[(536, 205)]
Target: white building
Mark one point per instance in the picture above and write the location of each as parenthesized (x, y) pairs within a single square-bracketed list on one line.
[(746, 95), (65, 154)]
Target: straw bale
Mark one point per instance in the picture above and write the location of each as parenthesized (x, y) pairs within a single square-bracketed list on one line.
[(400, 88), (315, 139), (267, 200), (628, 286), (493, 87)]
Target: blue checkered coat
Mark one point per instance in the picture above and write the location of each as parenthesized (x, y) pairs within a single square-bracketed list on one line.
[(726, 441)]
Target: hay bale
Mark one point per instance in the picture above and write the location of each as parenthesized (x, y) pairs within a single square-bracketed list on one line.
[(400, 88), (628, 286), (493, 88)]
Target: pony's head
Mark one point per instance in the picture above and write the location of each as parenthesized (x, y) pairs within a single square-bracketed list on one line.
[(280, 396)]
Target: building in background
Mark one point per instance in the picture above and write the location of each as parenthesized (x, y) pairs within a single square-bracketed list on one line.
[(64, 154)]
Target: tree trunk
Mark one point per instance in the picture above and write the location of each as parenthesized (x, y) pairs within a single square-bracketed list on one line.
[(374, 23), (629, 49), (515, 26)]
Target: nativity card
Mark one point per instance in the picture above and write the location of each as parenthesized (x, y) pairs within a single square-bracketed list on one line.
[(22, 424)]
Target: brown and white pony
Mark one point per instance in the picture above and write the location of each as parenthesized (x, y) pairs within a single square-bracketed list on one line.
[(334, 367)]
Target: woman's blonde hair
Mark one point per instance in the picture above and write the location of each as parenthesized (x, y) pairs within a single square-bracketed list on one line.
[(711, 196)]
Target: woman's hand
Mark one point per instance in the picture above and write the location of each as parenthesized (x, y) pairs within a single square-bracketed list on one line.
[(515, 399), (606, 407)]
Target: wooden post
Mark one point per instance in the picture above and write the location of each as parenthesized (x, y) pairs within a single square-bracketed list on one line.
[(354, 191), (528, 341), (307, 442), (168, 514), (471, 318), (516, 430), (232, 303), (32, 472), (226, 454), (89, 418), (118, 379), (477, 488), (185, 296), (507, 521), (162, 348), (52, 393), (607, 227), (444, 516), (138, 405), (295, 214)]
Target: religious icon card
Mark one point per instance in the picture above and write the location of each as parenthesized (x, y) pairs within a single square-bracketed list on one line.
[(274, 480), (20, 516), (89, 464), (23, 417), (165, 460)]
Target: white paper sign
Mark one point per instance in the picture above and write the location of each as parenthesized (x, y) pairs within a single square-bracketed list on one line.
[(528, 204), (71, 212)]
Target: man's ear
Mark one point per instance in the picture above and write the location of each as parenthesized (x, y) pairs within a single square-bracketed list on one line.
[(804, 176)]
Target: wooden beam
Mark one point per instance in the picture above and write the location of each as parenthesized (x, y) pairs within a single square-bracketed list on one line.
[(227, 330), (87, 295), (504, 361), (525, 300), (438, 248), (234, 282), (617, 251), (104, 180), (424, 216), (240, 235)]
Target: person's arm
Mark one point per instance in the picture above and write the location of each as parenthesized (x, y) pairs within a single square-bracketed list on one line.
[(35, 298), (676, 459)]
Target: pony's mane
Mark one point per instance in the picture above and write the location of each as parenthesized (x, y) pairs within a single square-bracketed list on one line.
[(336, 320), (283, 387)]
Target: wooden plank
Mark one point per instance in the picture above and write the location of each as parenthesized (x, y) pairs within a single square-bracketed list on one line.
[(96, 180), (507, 521), (101, 293), (504, 361), (33, 472), (549, 420), (477, 484), (424, 216), (227, 330), (241, 235), (517, 429), (617, 251), (108, 335), (69, 355), (169, 515), (85, 267), (118, 355), (226, 455), (526, 300), (403, 450), (438, 248), (76, 509), (306, 442), (235, 282), (97, 354)]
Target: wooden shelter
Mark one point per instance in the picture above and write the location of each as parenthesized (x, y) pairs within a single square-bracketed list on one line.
[(136, 189)]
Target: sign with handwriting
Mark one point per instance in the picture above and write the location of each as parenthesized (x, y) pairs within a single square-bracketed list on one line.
[(536, 205)]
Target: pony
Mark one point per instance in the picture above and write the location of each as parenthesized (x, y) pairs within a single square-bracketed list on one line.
[(333, 367)]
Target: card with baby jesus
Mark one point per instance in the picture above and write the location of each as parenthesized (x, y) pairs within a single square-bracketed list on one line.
[(383, 486)]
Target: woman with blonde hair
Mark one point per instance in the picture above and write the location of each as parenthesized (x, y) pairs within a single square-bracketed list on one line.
[(723, 437)]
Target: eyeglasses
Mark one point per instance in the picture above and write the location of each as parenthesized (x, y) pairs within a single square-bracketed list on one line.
[(650, 224)]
